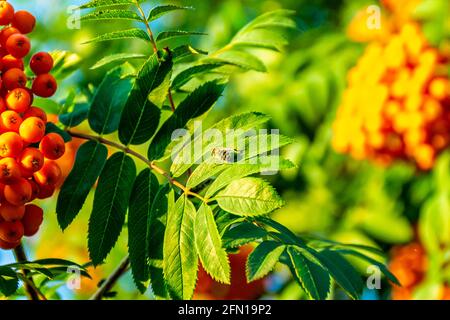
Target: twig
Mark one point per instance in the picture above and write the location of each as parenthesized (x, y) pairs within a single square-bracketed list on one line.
[(149, 163), (109, 283), (31, 290), (155, 47)]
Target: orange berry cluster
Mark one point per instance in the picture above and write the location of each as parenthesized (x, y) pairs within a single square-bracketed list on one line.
[(27, 154), (397, 104), (409, 265)]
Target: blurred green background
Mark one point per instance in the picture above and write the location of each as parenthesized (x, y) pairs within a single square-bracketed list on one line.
[(329, 194)]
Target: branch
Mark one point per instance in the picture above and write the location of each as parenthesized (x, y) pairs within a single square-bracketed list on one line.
[(31, 290), (109, 283), (150, 164), (155, 47)]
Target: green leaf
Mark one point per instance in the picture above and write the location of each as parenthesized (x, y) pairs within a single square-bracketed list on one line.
[(193, 106), (115, 14), (242, 234), (51, 127), (141, 201), (75, 117), (89, 163), (185, 51), (166, 35), (263, 259), (117, 57), (268, 31), (241, 59), (159, 11), (342, 271), (372, 261), (180, 261), (110, 205), (238, 171), (213, 256), (9, 281), (231, 128), (133, 33), (203, 172), (155, 241), (106, 3), (184, 76), (140, 116), (313, 278), (249, 197), (109, 100)]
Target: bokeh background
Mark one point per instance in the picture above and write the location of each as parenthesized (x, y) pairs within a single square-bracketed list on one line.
[(398, 203)]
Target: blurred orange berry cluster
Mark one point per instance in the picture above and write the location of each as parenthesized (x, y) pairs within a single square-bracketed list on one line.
[(397, 104), (239, 289), (27, 154), (409, 265)]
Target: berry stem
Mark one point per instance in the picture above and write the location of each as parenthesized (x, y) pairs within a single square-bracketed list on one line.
[(147, 26), (109, 283), (152, 165), (31, 290)]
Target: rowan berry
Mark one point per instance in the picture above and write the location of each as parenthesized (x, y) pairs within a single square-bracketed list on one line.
[(11, 232), (9, 62), (10, 121), (18, 99), (10, 212), (6, 13), (18, 193), (44, 85), (31, 159), (18, 45), (14, 78), (35, 112), (32, 219), (24, 21), (46, 191), (48, 175), (5, 245), (9, 171), (11, 144), (52, 146), (41, 63), (32, 130)]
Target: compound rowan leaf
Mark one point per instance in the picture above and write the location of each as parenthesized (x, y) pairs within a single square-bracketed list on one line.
[(109, 100), (110, 205), (89, 163), (180, 261), (142, 196), (263, 259), (249, 197), (213, 256), (193, 106), (185, 51), (313, 278), (140, 116)]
